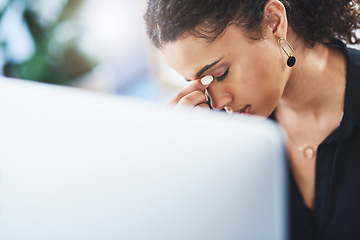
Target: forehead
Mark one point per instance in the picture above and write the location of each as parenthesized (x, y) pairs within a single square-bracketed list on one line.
[(189, 54)]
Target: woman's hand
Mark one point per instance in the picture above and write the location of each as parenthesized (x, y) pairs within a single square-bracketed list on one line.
[(193, 95)]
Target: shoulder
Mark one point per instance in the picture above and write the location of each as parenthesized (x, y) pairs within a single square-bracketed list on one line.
[(353, 81), (352, 52), (353, 67), (353, 57), (352, 91)]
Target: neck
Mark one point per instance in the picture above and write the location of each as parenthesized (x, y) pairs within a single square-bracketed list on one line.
[(317, 81)]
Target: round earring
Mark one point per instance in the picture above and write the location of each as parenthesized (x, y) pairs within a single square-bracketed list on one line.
[(291, 59)]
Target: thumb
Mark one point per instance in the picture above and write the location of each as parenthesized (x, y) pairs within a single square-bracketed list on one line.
[(204, 82)]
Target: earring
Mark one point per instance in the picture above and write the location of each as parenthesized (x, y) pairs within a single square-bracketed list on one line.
[(291, 59)]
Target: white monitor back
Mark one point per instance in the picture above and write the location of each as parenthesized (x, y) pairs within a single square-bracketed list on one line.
[(80, 165)]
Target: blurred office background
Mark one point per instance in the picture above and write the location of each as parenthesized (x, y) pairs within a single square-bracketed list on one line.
[(98, 45)]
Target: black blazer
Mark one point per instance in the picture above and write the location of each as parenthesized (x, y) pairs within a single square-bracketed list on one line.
[(336, 213)]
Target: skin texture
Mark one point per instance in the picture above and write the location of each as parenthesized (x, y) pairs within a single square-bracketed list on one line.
[(241, 87), (307, 99), (257, 74)]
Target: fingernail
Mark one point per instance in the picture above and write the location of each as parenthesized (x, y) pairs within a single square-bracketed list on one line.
[(207, 80)]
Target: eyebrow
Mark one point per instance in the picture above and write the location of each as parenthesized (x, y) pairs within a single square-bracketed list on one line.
[(207, 67)]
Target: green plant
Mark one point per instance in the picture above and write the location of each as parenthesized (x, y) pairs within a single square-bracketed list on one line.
[(54, 60)]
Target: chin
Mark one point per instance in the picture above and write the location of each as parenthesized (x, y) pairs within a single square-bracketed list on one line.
[(264, 113)]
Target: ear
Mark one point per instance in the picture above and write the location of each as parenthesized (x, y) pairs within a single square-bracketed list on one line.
[(275, 18)]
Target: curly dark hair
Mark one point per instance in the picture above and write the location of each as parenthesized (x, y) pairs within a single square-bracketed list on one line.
[(314, 20)]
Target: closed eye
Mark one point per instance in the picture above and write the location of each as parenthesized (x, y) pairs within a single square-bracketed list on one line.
[(222, 77)]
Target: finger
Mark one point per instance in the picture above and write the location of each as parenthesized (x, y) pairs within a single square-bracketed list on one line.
[(192, 99), (202, 107), (192, 87)]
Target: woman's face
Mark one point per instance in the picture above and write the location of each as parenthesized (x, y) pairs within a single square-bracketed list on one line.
[(247, 72)]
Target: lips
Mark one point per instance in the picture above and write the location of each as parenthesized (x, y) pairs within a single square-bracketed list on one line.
[(245, 110)]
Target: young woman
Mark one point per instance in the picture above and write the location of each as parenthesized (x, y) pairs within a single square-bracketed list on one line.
[(283, 59)]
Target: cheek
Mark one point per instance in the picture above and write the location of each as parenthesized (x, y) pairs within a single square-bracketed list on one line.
[(261, 84), (270, 69), (268, 91), (261, 74)]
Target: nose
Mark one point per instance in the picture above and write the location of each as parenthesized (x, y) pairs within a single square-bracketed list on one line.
[(219, 100)]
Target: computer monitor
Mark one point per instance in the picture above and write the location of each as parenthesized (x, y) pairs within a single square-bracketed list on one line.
[(83, 165)]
